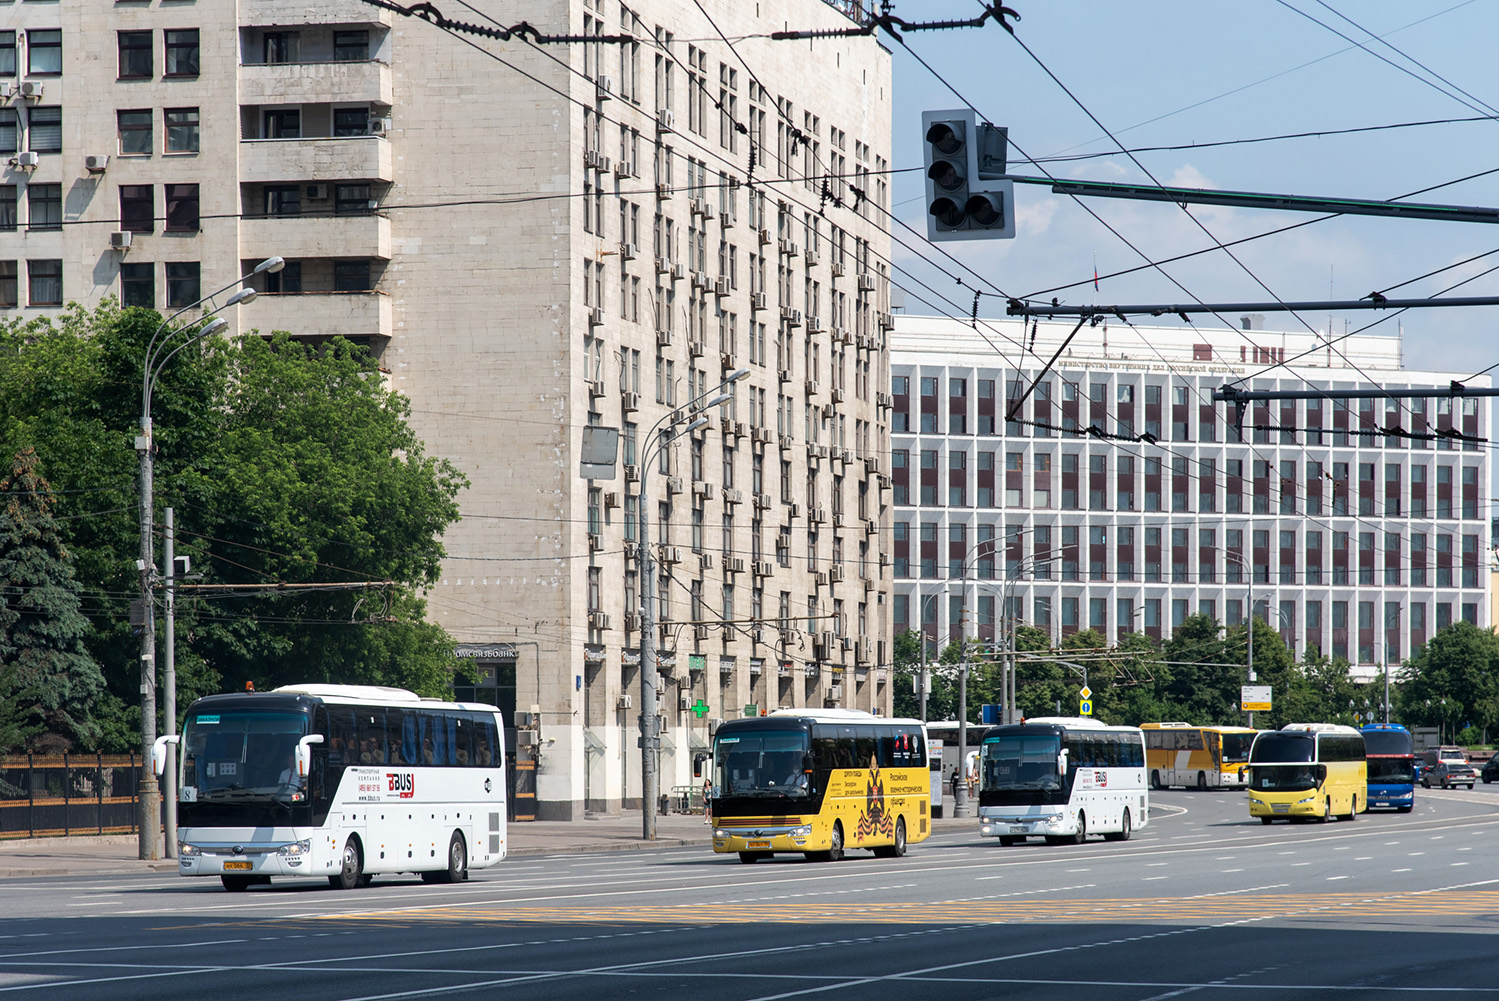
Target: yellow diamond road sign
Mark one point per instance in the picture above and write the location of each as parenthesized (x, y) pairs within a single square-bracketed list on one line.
[(1085, 693)]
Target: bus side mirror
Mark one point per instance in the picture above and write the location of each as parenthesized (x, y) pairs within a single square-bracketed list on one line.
[(1062, 761), (807, 763), (1320, 772), (304, 753), (159, 753)]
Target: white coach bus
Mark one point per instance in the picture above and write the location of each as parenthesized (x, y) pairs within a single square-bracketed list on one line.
[(1062, 778), (342, 781)]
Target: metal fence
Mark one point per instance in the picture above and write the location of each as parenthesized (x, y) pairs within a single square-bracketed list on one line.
[(46, 796)]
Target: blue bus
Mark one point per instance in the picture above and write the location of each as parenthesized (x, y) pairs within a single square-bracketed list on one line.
[(1391, 758)]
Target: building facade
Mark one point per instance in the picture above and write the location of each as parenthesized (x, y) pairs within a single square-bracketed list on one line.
[(531, 239), (1122, 498)]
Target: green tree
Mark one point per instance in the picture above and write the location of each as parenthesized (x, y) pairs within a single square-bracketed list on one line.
[(1451, 681), (55, 681), (287, 464)]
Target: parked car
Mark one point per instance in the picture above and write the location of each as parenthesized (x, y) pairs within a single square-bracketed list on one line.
[(1448, 774), (1490, 770)]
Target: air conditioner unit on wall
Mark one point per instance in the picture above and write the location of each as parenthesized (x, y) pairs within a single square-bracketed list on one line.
[(317, 192), (96, 164), (120, 240)]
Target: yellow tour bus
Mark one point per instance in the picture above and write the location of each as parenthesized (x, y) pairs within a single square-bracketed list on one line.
[(819, 782), (1197, 757), (1306, 771)]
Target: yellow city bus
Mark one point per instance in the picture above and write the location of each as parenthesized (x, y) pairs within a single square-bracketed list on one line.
[(1306, 771), (819, 782), (1197, 757)]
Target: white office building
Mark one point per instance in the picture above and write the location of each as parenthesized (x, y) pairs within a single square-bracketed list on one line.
[(1123, 498)]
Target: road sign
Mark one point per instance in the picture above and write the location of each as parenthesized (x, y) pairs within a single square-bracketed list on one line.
[(1085, 692), (1085, 707), (1254, 698), (751, 710)]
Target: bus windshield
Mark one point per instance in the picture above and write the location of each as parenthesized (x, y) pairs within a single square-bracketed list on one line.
[(1021, 761), (1281, 747), (1236, 747), (240, 756), (1286, 778), (1393, 771), (766, 765), (1388, 742)]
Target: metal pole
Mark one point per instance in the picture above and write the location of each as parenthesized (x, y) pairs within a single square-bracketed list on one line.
[(169, 710), (148, 801), (960, 806), (1251, 639), (648, 739)]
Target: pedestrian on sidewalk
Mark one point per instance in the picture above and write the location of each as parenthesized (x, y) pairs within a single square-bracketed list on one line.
[(954, 780), (708, 801)]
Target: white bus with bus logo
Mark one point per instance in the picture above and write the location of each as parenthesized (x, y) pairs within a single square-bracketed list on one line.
[(338, 781)]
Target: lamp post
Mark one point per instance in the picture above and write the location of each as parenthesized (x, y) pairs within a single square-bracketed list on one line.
[(659, 436), (1249, 619), (157, 355), (924, 681)]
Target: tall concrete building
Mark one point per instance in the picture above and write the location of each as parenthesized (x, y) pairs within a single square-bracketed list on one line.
[(531, 238), (1124, 499)]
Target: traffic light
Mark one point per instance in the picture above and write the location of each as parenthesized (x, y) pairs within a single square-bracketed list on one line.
[(964, 199)]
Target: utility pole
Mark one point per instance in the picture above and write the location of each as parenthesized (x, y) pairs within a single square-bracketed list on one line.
[(169, 713)]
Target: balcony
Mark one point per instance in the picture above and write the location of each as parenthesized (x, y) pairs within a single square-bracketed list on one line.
[(315, 83), (274, 13), (325, 314), (323, 159), (310, 236)]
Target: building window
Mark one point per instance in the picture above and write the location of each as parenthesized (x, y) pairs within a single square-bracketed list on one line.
[(45, 278), (351, 121), (44, 130), (44, 52), (351, 46), (7, 53), (44, 206), (135, 132), (10, 131), (351, 276), (138, 208), (282, 123), (7, 208), (135, 55), (8, 285), (282, 199), (138, 285), (282, 47), (287, 281), (182, 130), (183, 283), (182, 208), (352, 199), (182, 52)]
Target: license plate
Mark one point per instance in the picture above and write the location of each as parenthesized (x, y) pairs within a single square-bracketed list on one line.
[(759, 844), (232, 866), (1019, 829)]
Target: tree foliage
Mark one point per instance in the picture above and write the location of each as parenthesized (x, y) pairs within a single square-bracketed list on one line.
[(302, 498)]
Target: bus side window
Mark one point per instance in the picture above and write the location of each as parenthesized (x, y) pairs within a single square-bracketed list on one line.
[(371, 736), (484, 741), (463, 738), (824, 751)]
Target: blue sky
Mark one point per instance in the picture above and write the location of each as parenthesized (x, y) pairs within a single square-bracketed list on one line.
[(1174, 73)]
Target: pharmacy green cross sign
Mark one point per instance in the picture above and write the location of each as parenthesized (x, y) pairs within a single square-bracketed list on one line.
[(701, 709)]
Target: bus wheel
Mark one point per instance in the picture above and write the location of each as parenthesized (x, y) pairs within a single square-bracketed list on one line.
[(1327, 810), (1202, 782), (749, 858), (1082, 829), (897, 849), (1124, 832), (835, 845), (352, 869), (237, 884), (1265, 821), (457, 870), (1353, 807), (1155, 780), (1008, 840)]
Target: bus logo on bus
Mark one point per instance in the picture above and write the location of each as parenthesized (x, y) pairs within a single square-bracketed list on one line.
[(401, 782), (1101, 779)]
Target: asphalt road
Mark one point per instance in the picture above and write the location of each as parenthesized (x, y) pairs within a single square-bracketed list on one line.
[(1202, 902)]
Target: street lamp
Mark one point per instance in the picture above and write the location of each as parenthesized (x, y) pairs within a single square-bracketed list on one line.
[(659, 437), (1249, 619), (924, 682), (156, 358)]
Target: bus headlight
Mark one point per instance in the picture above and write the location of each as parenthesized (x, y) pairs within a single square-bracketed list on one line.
[(718, 833), (296, 848), (801, 832), (1309, 799), (185, 850)]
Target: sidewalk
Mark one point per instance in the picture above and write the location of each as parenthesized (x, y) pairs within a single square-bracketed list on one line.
[(112, 853)]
